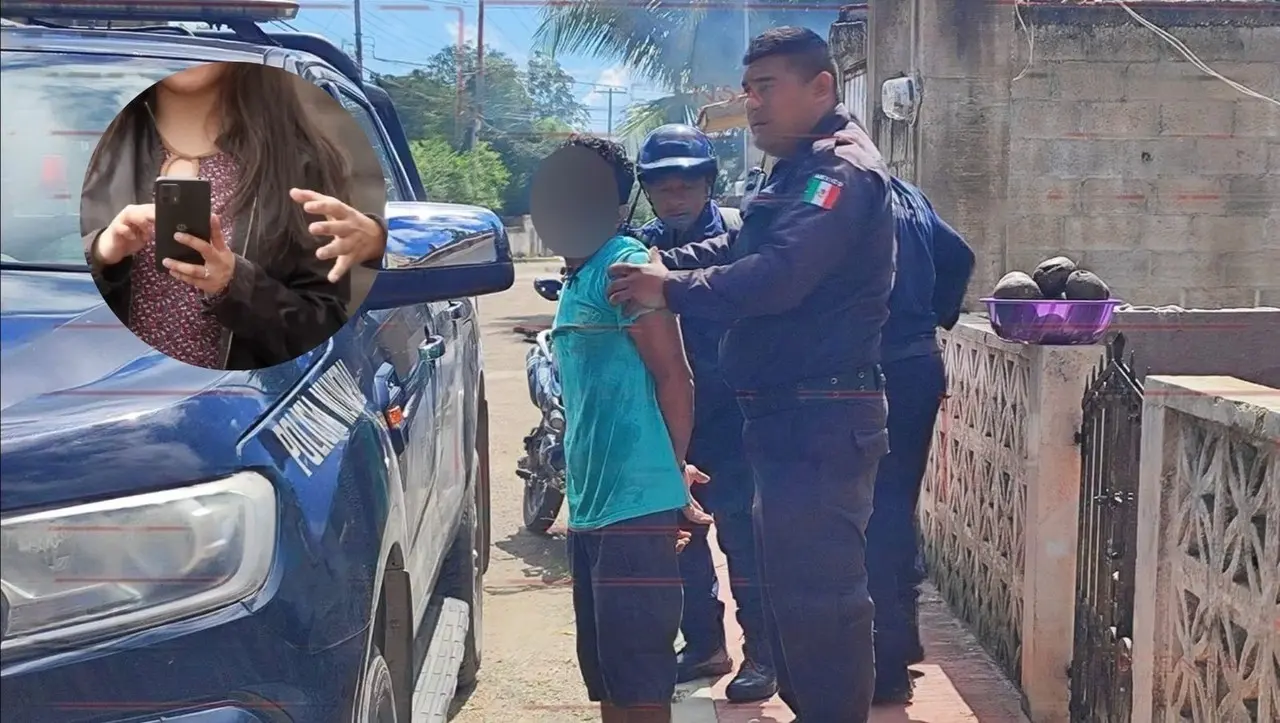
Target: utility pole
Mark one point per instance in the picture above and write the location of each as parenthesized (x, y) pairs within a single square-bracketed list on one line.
[(359, 40), (746, 43), (479, 99), (611, 92)]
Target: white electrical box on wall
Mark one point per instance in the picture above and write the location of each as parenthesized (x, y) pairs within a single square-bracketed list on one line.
[(900, 98)]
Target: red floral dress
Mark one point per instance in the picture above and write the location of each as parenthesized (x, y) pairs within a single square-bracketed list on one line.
[(167, 313)]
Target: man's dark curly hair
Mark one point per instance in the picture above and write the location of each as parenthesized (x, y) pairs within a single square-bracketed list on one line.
[(624, 171)]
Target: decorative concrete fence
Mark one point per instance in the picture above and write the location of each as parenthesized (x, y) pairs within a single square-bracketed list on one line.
[(999, 503), (1207, 586), (1000, 514)]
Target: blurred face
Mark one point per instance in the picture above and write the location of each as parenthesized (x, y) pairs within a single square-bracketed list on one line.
[(678, 200), (196, 80), (783, 107)]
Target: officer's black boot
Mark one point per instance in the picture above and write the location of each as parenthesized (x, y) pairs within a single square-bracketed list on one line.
[(756, 679), (892, 686), (693, 665), (915, 649)]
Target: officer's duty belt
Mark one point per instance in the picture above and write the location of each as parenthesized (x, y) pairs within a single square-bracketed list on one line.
[(862, 381)]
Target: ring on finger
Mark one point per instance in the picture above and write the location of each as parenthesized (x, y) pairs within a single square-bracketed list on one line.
[(206, 272)]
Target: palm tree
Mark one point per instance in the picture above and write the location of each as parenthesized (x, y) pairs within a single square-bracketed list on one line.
[(688, 47)]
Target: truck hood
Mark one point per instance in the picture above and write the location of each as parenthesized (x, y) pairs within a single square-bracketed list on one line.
[(87, 410)]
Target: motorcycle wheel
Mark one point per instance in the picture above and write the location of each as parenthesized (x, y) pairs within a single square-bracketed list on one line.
[(542, 502)]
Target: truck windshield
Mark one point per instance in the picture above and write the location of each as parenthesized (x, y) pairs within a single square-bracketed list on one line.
[(56, 106)]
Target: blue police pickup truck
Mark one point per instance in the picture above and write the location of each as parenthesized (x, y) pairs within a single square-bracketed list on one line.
[(301, 543)]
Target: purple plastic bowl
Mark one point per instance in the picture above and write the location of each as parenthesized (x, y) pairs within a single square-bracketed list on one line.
[(1051, 322)]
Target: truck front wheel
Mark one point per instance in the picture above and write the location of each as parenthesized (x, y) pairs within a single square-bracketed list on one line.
[(473, 595), (378, 699)]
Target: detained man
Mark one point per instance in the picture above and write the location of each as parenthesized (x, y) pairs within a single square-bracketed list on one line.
[(628, 399)]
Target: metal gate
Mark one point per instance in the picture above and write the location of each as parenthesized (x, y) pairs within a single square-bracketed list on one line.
[(1110, 439), (855, 94)]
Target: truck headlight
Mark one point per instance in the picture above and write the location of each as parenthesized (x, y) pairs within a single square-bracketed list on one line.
[(78, 573)]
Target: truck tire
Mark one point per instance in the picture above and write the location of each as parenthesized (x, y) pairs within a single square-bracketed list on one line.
[(483, 480), (463, 580), (378, 697)]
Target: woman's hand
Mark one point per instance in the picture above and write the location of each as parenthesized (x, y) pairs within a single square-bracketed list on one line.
[(356, 237), (125, 235), (214, 275)]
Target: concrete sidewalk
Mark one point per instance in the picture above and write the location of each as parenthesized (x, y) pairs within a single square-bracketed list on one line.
[(958, 683)]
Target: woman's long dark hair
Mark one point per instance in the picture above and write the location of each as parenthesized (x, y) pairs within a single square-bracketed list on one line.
[(267, 131)]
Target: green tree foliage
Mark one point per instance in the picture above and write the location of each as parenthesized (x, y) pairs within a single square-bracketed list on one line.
[(551, 90), (685, 47), (679, 44), (643, 211), (524, 116), (477, 176)]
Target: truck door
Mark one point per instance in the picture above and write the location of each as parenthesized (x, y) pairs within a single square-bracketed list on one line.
[(416, 340)]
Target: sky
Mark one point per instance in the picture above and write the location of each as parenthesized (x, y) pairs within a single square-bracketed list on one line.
[(399, 33)]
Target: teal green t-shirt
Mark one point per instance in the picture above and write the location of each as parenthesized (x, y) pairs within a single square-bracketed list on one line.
[(618, 455)]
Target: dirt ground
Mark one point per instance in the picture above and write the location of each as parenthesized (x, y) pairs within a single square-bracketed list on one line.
[(530, 671)]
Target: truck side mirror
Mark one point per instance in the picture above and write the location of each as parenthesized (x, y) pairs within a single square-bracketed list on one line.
[(438, 251)]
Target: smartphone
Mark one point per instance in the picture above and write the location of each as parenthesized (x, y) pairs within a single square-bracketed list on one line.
[(182, 205)]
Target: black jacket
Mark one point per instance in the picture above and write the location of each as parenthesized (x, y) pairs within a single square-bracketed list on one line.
[(277, 307), (933, 269)]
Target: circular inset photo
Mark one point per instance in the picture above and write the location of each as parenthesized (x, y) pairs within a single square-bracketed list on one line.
[(579, 196), (226, 212)]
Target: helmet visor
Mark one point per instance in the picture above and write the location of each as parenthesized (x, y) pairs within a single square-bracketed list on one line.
[(676, 163)]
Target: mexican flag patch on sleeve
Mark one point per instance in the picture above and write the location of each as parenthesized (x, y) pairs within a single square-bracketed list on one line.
[(821, 193)]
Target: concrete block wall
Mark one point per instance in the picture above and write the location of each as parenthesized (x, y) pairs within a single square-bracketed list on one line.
[(1109, 147), (961, 55), (1124, 156), (1238, 343), (524, 239)]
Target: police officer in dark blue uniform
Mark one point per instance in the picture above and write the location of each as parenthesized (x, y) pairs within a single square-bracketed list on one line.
[(677, 169), (933, 268), (805, 287)]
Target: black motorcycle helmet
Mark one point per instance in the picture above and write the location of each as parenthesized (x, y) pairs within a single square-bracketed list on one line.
[(677, 148)]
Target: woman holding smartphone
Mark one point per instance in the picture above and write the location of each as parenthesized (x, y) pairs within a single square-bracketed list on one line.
[(263, 288)]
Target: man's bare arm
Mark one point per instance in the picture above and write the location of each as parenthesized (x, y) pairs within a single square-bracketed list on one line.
[(657, 337)]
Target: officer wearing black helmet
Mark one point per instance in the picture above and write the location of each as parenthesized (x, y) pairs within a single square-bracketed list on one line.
[(805, 287), (677, 170)]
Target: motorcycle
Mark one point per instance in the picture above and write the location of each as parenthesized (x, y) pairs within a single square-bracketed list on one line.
[(542, 466)]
